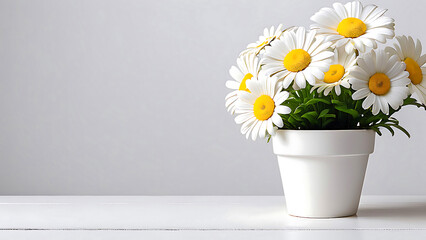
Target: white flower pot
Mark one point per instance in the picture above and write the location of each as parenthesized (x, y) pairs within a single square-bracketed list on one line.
[(323, 170)]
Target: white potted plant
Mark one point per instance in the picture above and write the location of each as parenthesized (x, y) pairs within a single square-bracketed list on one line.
[(321, 95)]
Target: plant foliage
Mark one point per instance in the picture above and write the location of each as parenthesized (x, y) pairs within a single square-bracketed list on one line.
[(312, 110)]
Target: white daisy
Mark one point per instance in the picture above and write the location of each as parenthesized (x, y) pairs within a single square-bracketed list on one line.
[(298, 55), (258, 109), (338, 74), (410, 53), (354, 26), (380, 79), (268, 36), (248, 67)]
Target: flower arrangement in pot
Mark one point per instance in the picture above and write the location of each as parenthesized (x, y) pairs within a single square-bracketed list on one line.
[(331, 88)]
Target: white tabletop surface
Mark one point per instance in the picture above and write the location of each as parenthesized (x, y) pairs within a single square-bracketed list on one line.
[(194, 217)]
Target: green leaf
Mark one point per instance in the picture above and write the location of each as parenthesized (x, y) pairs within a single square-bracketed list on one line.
[(393, 120), (311, 116), (409, 100), (344, 109), (414, 102), (337, 102), (388, 128), (347, 92), (377, 130), (402, 129), (373, 118), (297, 110), (317, 100), (323, 113), (293, 121), (330, 115), (326, 122), (296, 117)]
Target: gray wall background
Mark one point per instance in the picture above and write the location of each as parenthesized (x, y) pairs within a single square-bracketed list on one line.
[(127, 97)]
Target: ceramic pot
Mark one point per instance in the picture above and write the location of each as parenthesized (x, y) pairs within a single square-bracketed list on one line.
[(323, 171)]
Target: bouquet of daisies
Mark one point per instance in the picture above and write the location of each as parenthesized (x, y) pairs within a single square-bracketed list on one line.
[(333, 76)]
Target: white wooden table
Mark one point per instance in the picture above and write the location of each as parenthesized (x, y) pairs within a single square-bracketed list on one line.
[(190, 217)]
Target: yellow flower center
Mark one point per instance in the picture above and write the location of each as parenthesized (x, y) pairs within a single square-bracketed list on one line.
[(351, 27), (379, 84), (263, 107), (416, 75), (334, 74), (297, 60), (243, 86)]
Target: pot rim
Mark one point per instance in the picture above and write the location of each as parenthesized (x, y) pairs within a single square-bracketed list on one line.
[(326, 130), (342, 142)]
